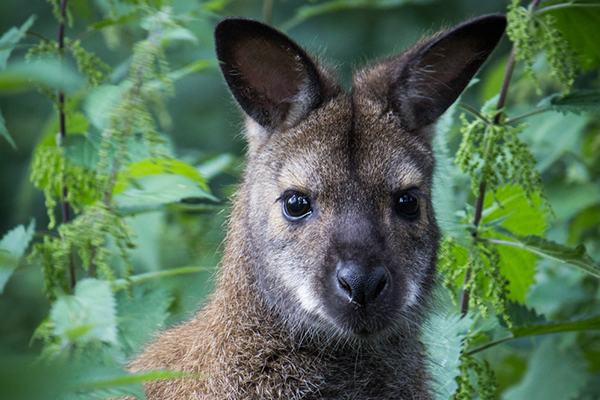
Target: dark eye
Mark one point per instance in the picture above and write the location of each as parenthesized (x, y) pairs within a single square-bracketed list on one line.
[(296, 206), (407, 205)]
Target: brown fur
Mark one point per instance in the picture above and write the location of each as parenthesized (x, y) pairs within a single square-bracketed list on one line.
[(277, 326)]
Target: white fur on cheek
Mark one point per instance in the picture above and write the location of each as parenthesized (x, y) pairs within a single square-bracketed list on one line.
[(301, 288), (413, 293)]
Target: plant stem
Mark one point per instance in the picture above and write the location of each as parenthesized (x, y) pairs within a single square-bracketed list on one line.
[(474, 112), (529, 114), (564, 5), (63, 133), (505, 83), (121, 284), (464, 302), (489, 345)]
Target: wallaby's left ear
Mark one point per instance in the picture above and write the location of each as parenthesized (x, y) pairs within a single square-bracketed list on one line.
[(272, 78), (432, 76)]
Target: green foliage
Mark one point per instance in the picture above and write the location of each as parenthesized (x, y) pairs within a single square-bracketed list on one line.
[(89, 64), (444, 335), (12, 248), (496, 261), (532, 34), (10, 38), (495, 153), (485, 382), (309, 11), (577, 102), (89, 314), (576, 257), (7, 43), (577, 20), (554, 373)]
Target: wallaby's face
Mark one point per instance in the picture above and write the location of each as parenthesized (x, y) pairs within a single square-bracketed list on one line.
[(337, 194)]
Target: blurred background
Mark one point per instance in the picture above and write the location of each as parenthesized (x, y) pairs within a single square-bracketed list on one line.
[(202, 122)]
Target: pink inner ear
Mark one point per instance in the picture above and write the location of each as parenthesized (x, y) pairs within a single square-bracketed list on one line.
[(271, 70)]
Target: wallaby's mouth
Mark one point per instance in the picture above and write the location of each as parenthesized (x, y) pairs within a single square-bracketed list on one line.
[(362, 307)]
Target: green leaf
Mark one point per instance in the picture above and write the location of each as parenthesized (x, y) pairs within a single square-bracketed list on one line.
[(89, 314), (133, 16), (517, 215), (120, 284), (24, 76), (556, 327), (520, 315), (443, 336), (12, 37), (79, 149), (99, 103), (577, 101), (521, 217), (553, 373), (12, 249), (190, 69), (569, 198), (152, 192), (309, 11), (544, 328), (7, 42), (579, 22), (519, 267), (587, 222), (443, 184), (4, 132), (178, 33), (128, 379), (141, 316), (28, 378), (543, 247), (215, 166), (111, 383), (158, 166), (551, 135)]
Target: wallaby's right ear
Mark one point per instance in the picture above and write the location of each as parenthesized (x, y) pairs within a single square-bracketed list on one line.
[(271, 77)]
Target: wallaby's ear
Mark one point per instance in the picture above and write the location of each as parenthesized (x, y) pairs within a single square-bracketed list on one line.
[(428, 79), (271, 77)]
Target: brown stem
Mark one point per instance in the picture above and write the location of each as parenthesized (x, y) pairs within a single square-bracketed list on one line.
[(505, 82), (464, 303), (63, 132), (464, 300)]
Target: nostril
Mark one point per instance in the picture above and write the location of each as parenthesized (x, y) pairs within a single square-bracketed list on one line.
[(361, 285), (344, 285)]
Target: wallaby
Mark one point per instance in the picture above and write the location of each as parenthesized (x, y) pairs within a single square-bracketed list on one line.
[(331, 249)]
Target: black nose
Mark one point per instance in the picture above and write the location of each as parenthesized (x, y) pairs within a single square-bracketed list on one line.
[(362, 285)]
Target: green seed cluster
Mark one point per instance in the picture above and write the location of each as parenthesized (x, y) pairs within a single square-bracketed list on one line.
[(89, 64), (51, 172), (495, 154), (87, 239), (485, 383), (533, 34), (486, 284), (87, 236)]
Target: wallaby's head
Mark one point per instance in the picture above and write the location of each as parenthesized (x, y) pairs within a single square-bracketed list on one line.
[(336, 207)]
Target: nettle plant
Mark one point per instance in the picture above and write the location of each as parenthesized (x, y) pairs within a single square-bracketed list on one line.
[(106, 159)]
